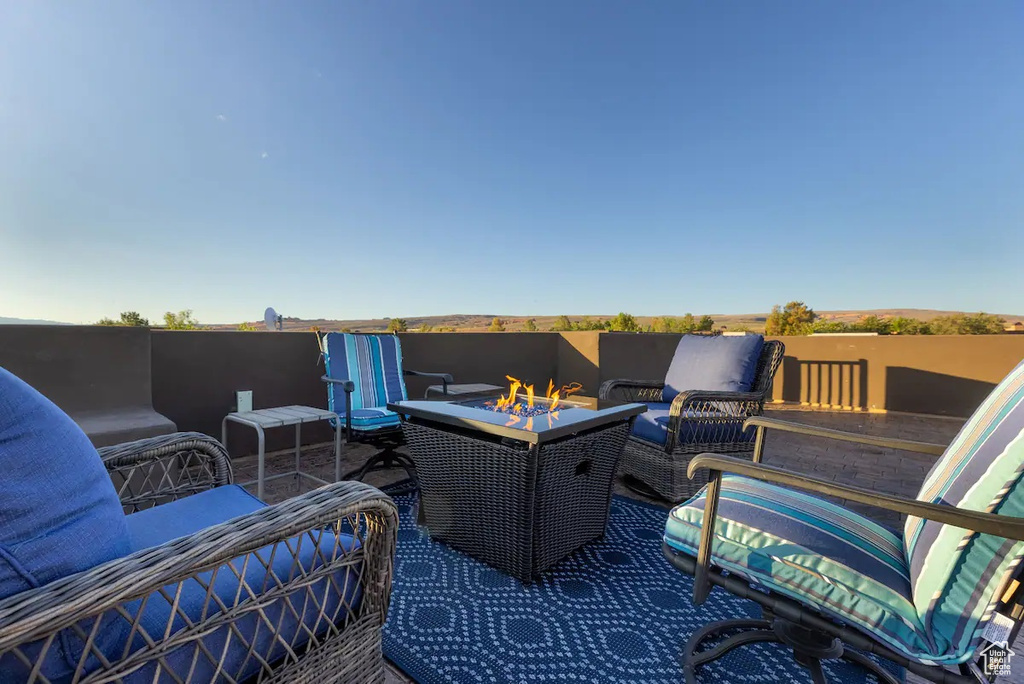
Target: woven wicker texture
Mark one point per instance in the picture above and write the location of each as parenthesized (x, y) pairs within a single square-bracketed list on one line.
[(518, 508), (716, 417), (346, 589)]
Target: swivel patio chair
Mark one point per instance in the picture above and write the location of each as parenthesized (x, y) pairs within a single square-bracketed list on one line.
[(944, 600), (143, 563), (368, 370), (713, 384)]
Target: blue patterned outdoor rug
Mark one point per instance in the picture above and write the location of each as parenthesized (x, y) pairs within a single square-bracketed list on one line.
[(615, 611)]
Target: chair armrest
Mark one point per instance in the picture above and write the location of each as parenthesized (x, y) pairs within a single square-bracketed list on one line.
[(631, 390), (761, 423), (346, 385), (445, 378), (160, 571), (151, 471), (986, 523), (721, 414)]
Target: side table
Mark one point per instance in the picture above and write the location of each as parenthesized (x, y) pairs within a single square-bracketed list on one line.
[(465, 391), (263, 419)]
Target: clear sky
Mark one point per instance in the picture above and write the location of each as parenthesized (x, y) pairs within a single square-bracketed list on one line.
[(397, 158)]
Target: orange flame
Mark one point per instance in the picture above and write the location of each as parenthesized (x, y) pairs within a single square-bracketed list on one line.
[(554, 396)]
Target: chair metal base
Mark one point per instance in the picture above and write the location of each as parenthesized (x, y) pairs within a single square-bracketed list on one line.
[(809, 646), (385, 460)]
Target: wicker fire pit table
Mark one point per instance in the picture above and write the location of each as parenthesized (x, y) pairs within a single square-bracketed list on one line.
[(517, 493)]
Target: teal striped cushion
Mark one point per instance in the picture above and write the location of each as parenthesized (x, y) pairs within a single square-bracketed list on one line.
[(810, 550), (957, 575), (372, 419), (374, 365)]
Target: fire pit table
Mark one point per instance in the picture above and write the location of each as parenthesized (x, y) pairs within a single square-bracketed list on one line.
[(516, 491)]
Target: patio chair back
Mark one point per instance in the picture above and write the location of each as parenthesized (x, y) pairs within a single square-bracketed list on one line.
[(767, 365), (373, 363), (958, 577)]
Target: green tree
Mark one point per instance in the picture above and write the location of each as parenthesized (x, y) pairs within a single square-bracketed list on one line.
[(796, 318), (345, 330), (530, 325), (425, 328), (829, 325), (397, 325), (872, 323), (134, 318), (128, 318), (968, 324), (686, 324), (663, 324), (706, 324), (497, 325), (588, 323), (247, 327), (562, 324), (445, 328), (623, 322), (903, 325), (182, 320)]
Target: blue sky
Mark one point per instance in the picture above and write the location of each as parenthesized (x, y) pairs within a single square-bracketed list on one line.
[(367, 159)]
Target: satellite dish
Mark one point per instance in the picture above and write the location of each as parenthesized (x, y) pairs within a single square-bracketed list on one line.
[(272, 319)]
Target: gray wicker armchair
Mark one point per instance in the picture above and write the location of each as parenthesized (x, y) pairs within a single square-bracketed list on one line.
[(698, 422), (285, 620)]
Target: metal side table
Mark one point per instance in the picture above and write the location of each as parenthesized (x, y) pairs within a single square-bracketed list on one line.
[(466, 391), (283, 416)]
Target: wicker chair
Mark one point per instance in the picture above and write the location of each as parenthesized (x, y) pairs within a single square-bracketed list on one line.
[(307, 604), (698, 421)]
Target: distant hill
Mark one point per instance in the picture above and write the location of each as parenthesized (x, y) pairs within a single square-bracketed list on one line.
[(480, 322), (28, 321)]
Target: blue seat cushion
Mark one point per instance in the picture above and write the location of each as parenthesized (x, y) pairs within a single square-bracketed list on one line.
[(716, 363), (155, 526), (652, 427), (59, 512), (369, 419), (810, 550)]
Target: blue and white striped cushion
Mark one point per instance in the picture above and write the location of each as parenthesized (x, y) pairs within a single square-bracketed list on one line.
[(958, 575), (372, 419), (811, 550), (374, 365)]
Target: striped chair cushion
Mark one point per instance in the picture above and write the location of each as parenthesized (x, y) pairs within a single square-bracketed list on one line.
[(810, 550), (374, 365), (957, 575), (371, 419)]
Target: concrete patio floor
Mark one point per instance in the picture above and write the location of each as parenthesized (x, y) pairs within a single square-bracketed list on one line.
[(882, 470)]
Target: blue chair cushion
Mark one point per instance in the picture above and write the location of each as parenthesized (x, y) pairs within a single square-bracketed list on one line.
[(59, 512), (373, 363), (716, 363), (155, 526), (369, 419), (812, 551), (652, 427)]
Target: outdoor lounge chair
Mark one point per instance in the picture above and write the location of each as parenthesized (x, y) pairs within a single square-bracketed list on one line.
[(713, 384), (142, 563), (945, 599), (368, 370)]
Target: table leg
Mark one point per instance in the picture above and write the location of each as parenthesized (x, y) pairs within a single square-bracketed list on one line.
[(260, 471), (224, 435), (298, 448), (337, 454)]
